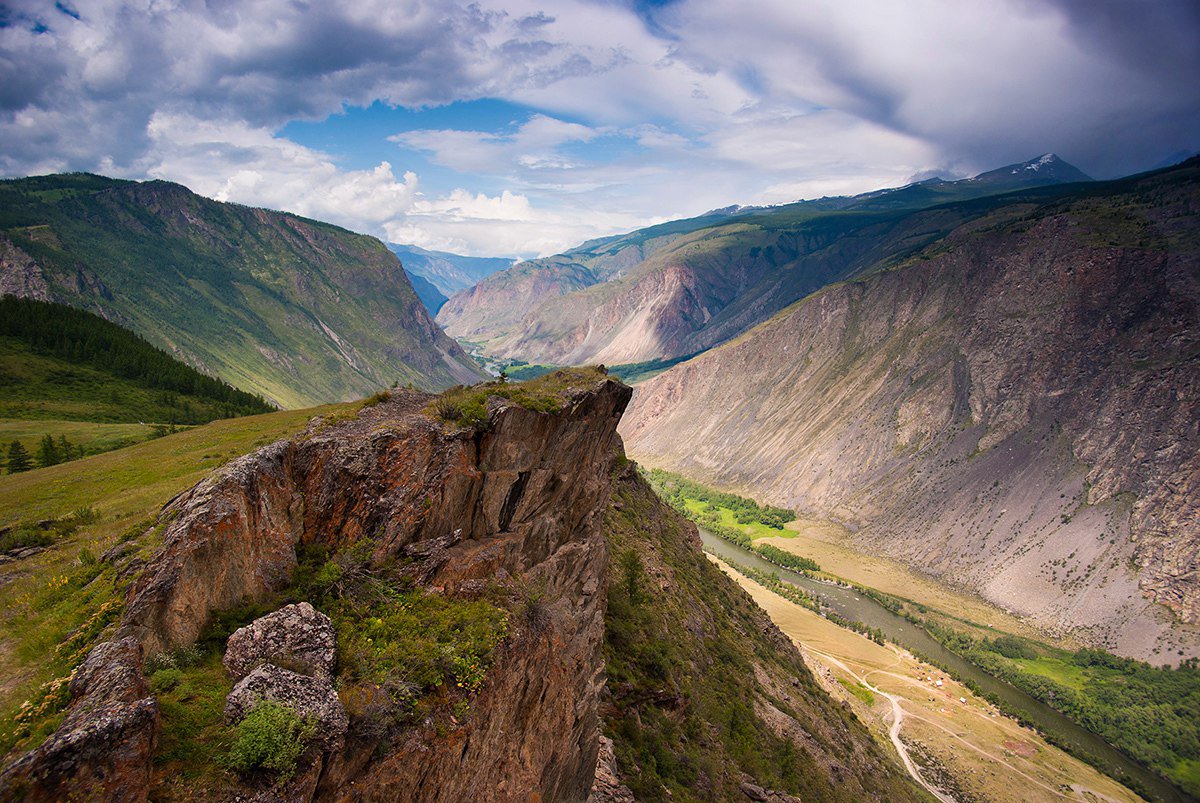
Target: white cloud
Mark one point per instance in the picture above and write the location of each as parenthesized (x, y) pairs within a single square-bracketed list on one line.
[(232, 161), (712, 104), (534, 145)]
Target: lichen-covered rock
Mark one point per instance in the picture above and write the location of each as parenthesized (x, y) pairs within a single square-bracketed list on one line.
[(296, 637), (308, 696), (102, 750)]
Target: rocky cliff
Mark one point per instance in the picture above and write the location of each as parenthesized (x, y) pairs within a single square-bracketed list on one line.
[(298, 311), (1015, 408), (507, 519)]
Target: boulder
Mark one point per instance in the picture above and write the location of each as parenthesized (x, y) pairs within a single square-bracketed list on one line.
[(296, 637), (106, 740), (308, 696)]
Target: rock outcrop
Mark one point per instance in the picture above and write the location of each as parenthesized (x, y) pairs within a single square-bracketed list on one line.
[(311, 697), (295, 637), (524, 497), (1016, 409), (103, 748)]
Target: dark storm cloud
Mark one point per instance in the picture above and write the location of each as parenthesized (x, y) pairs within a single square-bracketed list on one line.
[(1108, 84)]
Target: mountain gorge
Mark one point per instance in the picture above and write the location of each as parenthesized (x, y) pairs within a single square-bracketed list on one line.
[(1013, 407), (488, 598), (679, 288), (298, 311)]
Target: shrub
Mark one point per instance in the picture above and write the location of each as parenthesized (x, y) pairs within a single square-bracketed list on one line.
[(272, 737), (164, 680)]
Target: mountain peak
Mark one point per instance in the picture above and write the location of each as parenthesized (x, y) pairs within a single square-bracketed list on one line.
[(1049, 168)]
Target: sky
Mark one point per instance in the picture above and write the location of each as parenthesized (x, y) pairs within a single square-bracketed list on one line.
[(521, 128)]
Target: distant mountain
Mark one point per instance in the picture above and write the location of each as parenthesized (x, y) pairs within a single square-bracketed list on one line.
[(682, 287), (1046, 169), (430, 296), (1012, 407), (298, 311), (448, 272)]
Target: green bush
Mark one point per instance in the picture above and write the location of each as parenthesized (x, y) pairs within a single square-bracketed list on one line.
[(164, 680), (272, 737)]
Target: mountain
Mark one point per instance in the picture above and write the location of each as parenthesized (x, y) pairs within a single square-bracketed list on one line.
[(298, 311), (503, 604), (448, 272), (430, 296), (682, 287), (1046, 169), (1012, 408), (62, 363)]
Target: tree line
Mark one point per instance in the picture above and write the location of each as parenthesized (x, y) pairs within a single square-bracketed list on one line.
[(77, 336)]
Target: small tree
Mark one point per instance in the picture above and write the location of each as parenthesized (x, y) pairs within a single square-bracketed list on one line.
[(68, 450), (48, 452), (18, 458)]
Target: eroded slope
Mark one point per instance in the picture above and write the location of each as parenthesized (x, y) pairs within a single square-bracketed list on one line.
[(1016, 409)]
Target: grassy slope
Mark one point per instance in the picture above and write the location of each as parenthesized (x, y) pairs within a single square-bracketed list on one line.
[(42, 387), (252, 296), (46, 598), (691, 664)]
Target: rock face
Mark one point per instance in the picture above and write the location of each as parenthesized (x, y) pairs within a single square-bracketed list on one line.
[(1016, 409), (308, 696), (102, 750), (525, 498), (296, 637)]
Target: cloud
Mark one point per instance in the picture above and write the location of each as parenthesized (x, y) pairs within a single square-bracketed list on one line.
[(534, 145), (983, 83), (233, 161), (630, 112)]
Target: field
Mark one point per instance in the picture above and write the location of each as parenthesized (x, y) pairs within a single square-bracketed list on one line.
[(965, 750), (821, 541), (93, 438)]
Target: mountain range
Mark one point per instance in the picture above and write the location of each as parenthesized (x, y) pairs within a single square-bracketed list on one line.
[(1012, 407), (682, 287), (298, 311)]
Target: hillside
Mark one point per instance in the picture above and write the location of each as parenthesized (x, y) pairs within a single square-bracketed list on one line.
[(292, 309), (682, 287), (58, 362), (478, 575), (430, 296), (1013, 409)]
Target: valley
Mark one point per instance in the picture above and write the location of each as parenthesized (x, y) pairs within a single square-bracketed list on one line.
[(966, 751), (985, 412), (671, 401)]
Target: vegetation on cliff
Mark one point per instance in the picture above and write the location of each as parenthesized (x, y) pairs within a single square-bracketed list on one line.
[(461, 406), (703, 692), (88, 514)]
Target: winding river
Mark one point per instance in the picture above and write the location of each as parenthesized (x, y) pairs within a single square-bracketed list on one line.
[(853, 606)]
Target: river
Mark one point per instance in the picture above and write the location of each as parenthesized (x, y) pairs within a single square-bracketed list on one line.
[(854, 606)]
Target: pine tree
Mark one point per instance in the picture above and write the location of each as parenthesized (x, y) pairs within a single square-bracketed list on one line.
[(68, 450), (48, 452), (18, 458)]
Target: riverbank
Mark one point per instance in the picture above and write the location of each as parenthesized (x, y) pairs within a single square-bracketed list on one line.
[(965, 751)]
